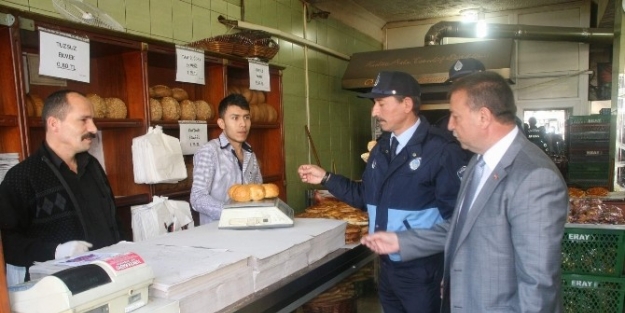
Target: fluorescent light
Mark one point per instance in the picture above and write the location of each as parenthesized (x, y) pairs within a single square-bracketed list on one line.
[(481, 29)]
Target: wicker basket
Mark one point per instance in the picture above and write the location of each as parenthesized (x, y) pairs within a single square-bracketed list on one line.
[(226, 44), (341, 306), (264, 48)]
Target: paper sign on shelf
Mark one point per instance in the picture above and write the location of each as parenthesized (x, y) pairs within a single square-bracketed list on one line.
[(193, 134), (189, 65), (259, 75), (63, 55)]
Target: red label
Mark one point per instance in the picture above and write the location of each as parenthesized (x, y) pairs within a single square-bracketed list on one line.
[(124, 261)]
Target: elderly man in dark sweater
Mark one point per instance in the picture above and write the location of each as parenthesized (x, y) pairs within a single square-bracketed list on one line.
[(58, 202)]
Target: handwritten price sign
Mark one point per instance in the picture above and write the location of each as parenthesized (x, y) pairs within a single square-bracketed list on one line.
[(63, 55), (189, 65)]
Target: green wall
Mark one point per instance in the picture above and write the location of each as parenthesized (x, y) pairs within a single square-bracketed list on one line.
[(339, 122)]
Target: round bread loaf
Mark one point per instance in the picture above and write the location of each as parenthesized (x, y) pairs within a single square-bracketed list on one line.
[(231, 190), (255, 113), (37, 104), (240, 193), (30, 106), (156, 110), (115, 108), (99, 106), (272, 114), (203, 110), (151, 92), (260, 96), (247, 93), (161, 91), (179, 94), (234, 89), (271, 190), (187, 110), (257, 192), (171, 109)]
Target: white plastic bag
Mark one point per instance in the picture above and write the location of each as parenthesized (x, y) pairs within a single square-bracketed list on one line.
[(159, 217), (157, 158)]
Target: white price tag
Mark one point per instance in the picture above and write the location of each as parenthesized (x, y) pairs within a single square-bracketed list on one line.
[(259, 75), (189, 65), (193, 134), (63, 55)]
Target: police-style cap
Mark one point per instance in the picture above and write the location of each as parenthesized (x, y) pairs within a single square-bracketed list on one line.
[(463, 67), (393, 84)]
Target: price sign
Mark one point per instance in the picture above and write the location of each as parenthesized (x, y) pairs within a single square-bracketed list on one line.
[(189, 65), (63, 55), (193, 134), (259, 75)]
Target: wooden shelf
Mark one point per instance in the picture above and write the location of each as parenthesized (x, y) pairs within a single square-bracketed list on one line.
[(8, 120), (126, 201), (100, 123)]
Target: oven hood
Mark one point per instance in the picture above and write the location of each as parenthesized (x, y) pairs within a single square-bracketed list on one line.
[(429, 65)]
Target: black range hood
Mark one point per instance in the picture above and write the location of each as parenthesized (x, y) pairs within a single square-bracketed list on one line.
[(429, 65)]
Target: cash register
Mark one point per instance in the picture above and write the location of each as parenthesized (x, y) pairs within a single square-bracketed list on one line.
[(116, 284)]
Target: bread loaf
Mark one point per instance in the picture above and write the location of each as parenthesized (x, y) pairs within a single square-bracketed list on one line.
[(156, 110), (37, 104), (179, 94), (271, 190), (171, 109), (203, 110), (99, 106), (161, 91), (260, 96), (30, 106), (115, 108), (257, 192), (240, 193), (187, 110)]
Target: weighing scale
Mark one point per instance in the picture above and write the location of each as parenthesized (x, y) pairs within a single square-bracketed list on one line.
[(266, 213), (116, 284)]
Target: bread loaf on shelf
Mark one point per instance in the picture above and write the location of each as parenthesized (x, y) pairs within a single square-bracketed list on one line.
[(99, 106), (179, 94), (171, 109), (187, 110), (115, 108), (203, 110), (156, 110)]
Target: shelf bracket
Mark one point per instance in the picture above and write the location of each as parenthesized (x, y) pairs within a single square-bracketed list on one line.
[(7, 19)]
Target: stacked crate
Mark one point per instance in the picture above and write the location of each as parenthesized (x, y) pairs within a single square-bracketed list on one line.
[(589, 151), (592, 268)]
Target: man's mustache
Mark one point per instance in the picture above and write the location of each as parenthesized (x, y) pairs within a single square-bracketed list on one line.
[(89, 136)]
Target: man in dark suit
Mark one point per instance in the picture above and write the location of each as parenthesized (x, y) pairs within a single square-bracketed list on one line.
[(503, 243)]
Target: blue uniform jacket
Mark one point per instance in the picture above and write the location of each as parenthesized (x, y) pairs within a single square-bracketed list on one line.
[(418, 189)]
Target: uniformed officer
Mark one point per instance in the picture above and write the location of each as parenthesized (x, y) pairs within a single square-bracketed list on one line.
[(411, 181)]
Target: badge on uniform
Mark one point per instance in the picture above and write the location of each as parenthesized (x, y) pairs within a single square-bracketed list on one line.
[(461, 171), (373, 164), (415, 163)]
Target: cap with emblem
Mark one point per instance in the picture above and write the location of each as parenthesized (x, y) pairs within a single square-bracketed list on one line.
[(393, 84), (463, 67)]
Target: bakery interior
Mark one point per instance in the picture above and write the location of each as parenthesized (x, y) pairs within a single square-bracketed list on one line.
[(562, 58)]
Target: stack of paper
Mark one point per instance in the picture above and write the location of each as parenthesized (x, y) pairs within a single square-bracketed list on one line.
[(207, 269), (190, 275), (276, 253)]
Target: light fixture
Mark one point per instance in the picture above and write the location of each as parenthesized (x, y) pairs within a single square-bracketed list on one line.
[(475, 15), (472, 14)]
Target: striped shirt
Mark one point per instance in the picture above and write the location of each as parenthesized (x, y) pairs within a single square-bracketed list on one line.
[(215, 169)]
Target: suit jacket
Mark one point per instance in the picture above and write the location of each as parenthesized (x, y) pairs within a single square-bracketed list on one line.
[(507, 258)]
